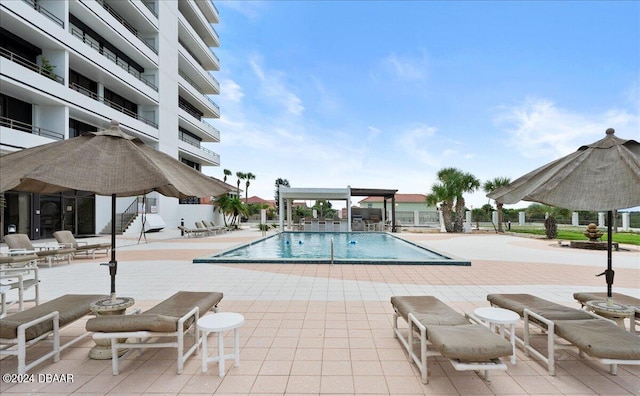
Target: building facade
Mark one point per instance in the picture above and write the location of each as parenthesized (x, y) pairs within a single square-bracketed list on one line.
[(68, 67)]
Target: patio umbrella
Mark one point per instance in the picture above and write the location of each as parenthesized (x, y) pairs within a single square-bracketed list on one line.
[(602, 176), (107, 162)]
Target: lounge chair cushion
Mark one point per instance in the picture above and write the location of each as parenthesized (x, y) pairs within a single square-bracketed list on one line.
[(162, 317), (18, 260), (124, 323), (428, 310), (70, 307), (600, 338), (468, 343), (67, 238), (544, 308)]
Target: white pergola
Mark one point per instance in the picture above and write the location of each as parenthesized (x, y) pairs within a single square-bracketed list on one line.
[(288, 194), (333, 194)]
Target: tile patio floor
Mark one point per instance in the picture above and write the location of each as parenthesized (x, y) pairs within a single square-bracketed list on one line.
[(320, 329)]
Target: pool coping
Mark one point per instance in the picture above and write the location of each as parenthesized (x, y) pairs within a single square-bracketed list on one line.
[(450, 261)]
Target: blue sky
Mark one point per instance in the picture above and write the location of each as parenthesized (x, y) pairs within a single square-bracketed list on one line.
[(383, 94)]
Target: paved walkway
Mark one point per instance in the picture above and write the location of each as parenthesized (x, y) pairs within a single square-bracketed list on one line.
[(321, 329)]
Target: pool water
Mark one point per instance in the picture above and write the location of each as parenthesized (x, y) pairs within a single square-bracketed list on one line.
[(348, 248)]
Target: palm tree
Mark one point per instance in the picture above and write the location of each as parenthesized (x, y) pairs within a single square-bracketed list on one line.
[(452, 184), (440, 195), (249, 176), (491, 185), (227, 173), (240, 176), (222, 203)]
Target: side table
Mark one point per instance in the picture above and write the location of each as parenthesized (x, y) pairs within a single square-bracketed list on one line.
[(500, 316), (219, 323), (614, 311), (109, 306)]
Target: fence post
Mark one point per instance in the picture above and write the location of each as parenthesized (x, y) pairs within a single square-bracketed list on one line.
[(601, 222), (626, 223)]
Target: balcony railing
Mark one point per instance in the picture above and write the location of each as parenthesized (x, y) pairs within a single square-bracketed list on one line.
[(45, 12), (30, 65), (197, 144), (193, 84), (188, 110), (126, 24), (112, 57), (111, 104), (24, 127)]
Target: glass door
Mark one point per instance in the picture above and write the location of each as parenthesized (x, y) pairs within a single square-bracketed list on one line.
[(69, 215)]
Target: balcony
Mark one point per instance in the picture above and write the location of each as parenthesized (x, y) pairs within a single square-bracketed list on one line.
[(199, 22), (78, 33), (28, 128), (45, 12), (30, 65), (126, 24), (197, 152), (109, 103)]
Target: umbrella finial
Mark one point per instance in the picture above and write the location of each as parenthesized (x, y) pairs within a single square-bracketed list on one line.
[(609, 131), (114, 124)]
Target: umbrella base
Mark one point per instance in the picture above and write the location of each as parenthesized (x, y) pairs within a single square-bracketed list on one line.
[(597, 245)]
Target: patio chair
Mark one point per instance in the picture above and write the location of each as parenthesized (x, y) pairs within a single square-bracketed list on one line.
[(26, 328), (468, 346), (205, 230), (189, 232), (593, 335), (19, 272), (173, 318), (215, 229), (66, 238), (21, 243)]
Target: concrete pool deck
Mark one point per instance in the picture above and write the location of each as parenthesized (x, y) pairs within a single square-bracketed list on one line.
[(321, 329)]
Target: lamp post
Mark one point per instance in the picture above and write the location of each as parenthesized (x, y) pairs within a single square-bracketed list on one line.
[(321, 203)]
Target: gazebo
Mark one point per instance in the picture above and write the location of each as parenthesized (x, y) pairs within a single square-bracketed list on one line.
[(288, 194)]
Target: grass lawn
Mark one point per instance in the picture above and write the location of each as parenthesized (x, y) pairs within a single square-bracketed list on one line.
[(577, 234)]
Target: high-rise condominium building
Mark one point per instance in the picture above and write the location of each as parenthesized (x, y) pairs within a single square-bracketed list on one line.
[(68, 67)]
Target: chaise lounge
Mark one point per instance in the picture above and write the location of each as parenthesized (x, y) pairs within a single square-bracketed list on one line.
[(174, 317), (22, 329), (21, 242), (66, 238), (19, 272), (468, 346), (593, 335)]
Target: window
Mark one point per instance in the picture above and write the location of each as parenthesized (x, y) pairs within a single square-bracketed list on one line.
[(77, 128)]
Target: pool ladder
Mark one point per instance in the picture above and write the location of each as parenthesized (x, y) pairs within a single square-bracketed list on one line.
[(331, 250)]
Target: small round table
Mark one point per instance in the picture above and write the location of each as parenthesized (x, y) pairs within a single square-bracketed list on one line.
[(614, 311), (219, 323), (109, 306), (499, 316)]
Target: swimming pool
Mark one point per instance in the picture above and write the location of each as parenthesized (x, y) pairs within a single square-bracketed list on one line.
[(332, 247)]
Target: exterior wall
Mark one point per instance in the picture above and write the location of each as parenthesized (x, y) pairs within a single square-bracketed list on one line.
[(134, 33)]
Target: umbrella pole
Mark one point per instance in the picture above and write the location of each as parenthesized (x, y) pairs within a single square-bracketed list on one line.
[(609, 271), (113, 264)]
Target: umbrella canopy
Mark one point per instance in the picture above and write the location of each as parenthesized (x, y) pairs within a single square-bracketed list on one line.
[(107, 162), (603, 176)]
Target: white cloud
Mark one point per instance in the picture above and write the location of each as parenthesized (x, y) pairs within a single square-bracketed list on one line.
[(404, 68), (414, 141), (273, 87), (230, 91), (538, 128)]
